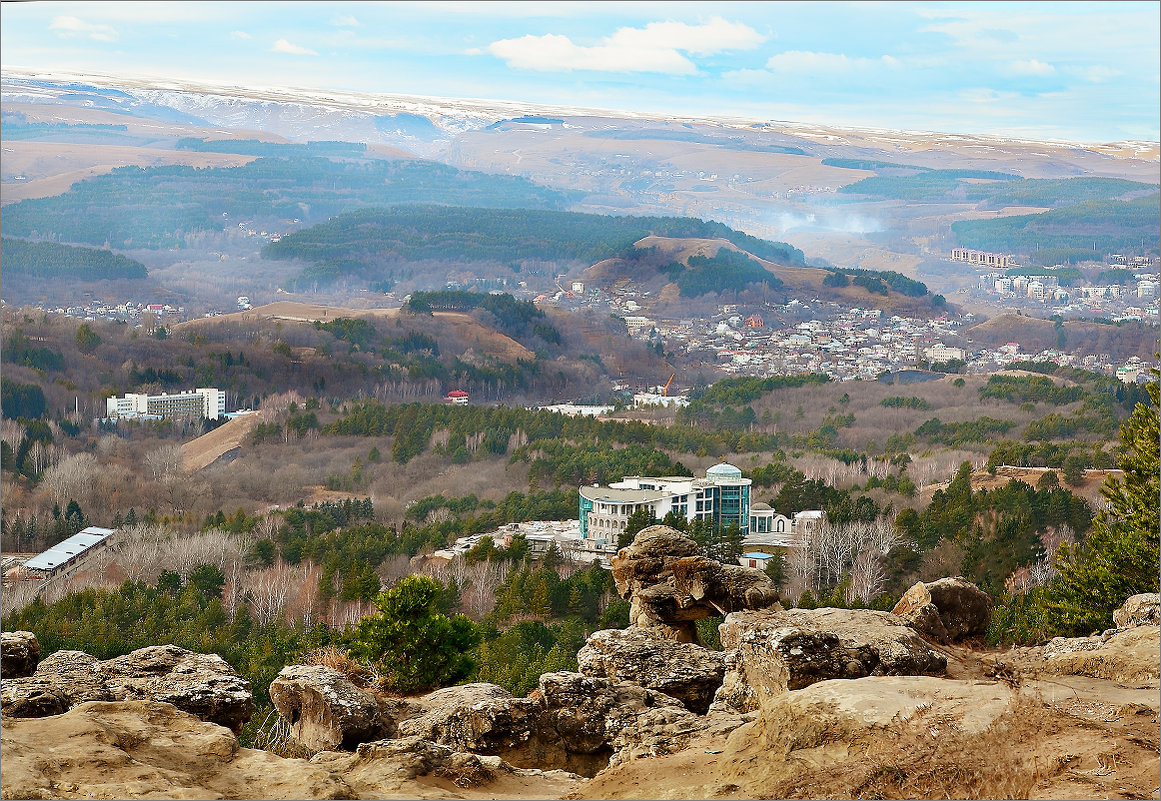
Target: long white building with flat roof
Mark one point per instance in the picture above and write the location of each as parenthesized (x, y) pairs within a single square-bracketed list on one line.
[(200, 402)]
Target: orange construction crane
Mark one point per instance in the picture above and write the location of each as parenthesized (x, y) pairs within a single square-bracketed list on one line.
[(665, 389)]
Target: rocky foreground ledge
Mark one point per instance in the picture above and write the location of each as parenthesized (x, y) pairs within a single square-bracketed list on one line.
[(802, 703)]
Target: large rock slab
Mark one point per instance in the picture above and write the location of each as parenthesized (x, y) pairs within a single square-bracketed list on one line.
[(147, 749), (685, 671), (792, 649), (395, 768), (670, 586), (201, 684), (19, 653), (1139, 610), (947, 610), (569, 722), (326, 710), (1129, 656)]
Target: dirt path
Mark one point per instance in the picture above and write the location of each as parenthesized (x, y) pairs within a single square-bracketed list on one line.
[(208, 448)]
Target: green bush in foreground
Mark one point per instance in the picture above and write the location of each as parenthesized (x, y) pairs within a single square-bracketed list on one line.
[(414, 647)]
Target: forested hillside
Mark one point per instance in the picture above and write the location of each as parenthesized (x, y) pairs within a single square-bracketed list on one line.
[(370, 238), (156, 207), (1099, 226), (50, 260)]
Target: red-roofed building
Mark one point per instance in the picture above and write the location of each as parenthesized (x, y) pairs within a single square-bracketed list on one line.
[(457, 396)]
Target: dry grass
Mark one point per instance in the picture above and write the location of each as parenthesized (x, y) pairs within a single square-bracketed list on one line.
[(929, 757), (275, 735), (361, 675)]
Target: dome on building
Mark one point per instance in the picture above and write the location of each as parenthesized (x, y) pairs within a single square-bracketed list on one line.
[(723, 472)]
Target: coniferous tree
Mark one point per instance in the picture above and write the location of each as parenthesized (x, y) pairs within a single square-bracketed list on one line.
[(1119, 558)]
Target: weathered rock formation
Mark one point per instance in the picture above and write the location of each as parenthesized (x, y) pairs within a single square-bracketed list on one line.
[(201, 684), (411, 758), (570, 722), (146, 749), (19, 653), (669, 586), (947, 610), (1139, 610), (777, 651), (685, 671), (326, 710)]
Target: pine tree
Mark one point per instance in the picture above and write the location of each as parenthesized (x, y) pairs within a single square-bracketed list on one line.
[(1119, 558)]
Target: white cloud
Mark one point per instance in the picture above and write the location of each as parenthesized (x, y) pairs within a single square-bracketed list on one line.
[(283, 46), (658, 47), (240, 35), (345, 22), (1032, 67), (72, 27), (806, 61)]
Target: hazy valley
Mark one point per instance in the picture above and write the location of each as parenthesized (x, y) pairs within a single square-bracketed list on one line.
[(434, 325)]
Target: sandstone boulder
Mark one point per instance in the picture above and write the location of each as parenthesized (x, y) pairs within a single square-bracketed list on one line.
[(1126, 656), (669, 586), (201, 684), (146, 749), (326, 710), (947, 610), (570, 721), (19, 653), (77, 676), (1139, 610), (684, 671), (793, 649), (31, 697)]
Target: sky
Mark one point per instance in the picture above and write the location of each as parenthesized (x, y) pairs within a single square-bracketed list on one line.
[(1083, 72)]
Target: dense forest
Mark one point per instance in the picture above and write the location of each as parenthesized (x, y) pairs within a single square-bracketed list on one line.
[(136, 207), (50, 260), (1099, 226)]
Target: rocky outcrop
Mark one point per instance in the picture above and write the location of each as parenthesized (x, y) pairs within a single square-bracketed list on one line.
[(201, 684), (793, 649), (685, 671), (947, 610), (19, 653), (326, 710), (1126, 656), (385, 762), (1139, 610), (570, 721), (669, 586), (145, 749)]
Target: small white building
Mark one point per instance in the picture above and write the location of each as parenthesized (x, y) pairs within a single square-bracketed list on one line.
[(758, 559)]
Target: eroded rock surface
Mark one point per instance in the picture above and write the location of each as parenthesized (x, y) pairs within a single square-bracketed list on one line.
[(202, 684), (1139, 610), (326, 710), (670, 587), (570, 721), (1128, 656), (947, 610), (686, 671), (792, 649), (19, 653), (146, 749)]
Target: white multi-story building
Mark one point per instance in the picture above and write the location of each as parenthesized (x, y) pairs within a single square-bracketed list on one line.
[(943, 353), (723, 496), (201, 402)]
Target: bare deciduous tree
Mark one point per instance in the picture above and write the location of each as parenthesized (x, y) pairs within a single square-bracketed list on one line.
[(72, 477), (141, 551)]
